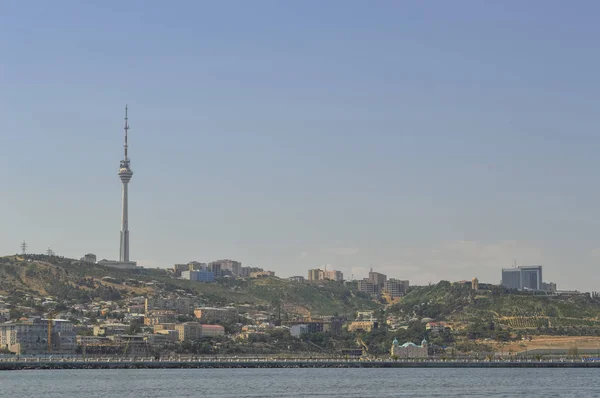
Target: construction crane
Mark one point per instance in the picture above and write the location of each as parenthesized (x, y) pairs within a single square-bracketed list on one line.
[(362, 344)]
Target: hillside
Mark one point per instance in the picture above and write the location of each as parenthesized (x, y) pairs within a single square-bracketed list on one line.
[(518, 311), (72, 280)]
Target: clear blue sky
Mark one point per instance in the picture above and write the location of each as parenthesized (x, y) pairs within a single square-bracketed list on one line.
[(428, 140)]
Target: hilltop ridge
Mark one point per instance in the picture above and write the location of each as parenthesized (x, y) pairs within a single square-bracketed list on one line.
[(74, 280)]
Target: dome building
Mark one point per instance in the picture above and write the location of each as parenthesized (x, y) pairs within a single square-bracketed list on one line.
[(409, 350)]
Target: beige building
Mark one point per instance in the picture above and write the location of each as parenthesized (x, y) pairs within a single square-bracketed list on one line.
[(216, 315), (409, 350), (110, 329), (324, 275), (363, 326), (212, 330), (189, 331), (164, 326), (181, 305), (159, 317)]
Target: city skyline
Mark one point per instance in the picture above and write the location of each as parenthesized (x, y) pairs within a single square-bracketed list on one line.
[(436, 143)]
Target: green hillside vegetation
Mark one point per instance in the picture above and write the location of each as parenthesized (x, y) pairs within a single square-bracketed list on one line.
[(67, 279), (461, 305)]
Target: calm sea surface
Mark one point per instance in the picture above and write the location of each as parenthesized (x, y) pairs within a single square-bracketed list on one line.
[(302, 383)]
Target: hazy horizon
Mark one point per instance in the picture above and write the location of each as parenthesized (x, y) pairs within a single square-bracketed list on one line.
[(428, 141)]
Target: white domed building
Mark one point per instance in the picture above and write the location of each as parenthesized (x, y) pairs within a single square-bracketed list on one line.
[(410, 350)]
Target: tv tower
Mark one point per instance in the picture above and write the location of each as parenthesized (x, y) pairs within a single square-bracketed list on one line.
[(125, 175)]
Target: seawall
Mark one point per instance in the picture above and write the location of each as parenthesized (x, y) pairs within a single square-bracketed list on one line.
[(235, 364)]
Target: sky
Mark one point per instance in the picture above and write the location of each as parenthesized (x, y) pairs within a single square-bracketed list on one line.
[(426, 140)]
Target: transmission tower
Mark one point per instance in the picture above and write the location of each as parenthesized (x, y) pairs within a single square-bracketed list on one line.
[(24, 248), (49, 252)]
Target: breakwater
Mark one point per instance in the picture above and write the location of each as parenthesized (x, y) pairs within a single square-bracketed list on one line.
[(240, 364)]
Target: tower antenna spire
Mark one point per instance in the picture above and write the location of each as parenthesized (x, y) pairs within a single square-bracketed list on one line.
[(126, 131)]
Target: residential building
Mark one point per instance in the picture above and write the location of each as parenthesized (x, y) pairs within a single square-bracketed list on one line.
[(475, 284), (4, 315), (299, 279), (197, 266), (298, 330), (170, 334), (436, 327), (324, 275), (198, 276), (110, 329), (215, 268), (377, 279), (396, 288), (216, 315), (336, 276), (367, 286), (164, 326), (157, 317), (189, 331), (31, 337), (409, 350), (362, 326), (235, 267), (212, 330), (182, 305), (315, 274), (61, 325), (179, 268)]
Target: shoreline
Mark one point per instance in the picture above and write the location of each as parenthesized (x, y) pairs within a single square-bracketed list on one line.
[(280, 364)]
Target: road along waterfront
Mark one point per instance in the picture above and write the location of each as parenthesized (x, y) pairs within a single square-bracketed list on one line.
[(215, 363)]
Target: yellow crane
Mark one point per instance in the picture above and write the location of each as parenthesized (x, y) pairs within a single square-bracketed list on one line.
[(362, 344)]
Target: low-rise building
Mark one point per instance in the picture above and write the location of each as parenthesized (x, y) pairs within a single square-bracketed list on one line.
[(158, 317), (216, 315), (436, 327), (212, 330), (164, 326), (298, 330), (299, 279), (362, 326), (409, 350), (110, 329), (182, 305), (4, 315), (261, 274)]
